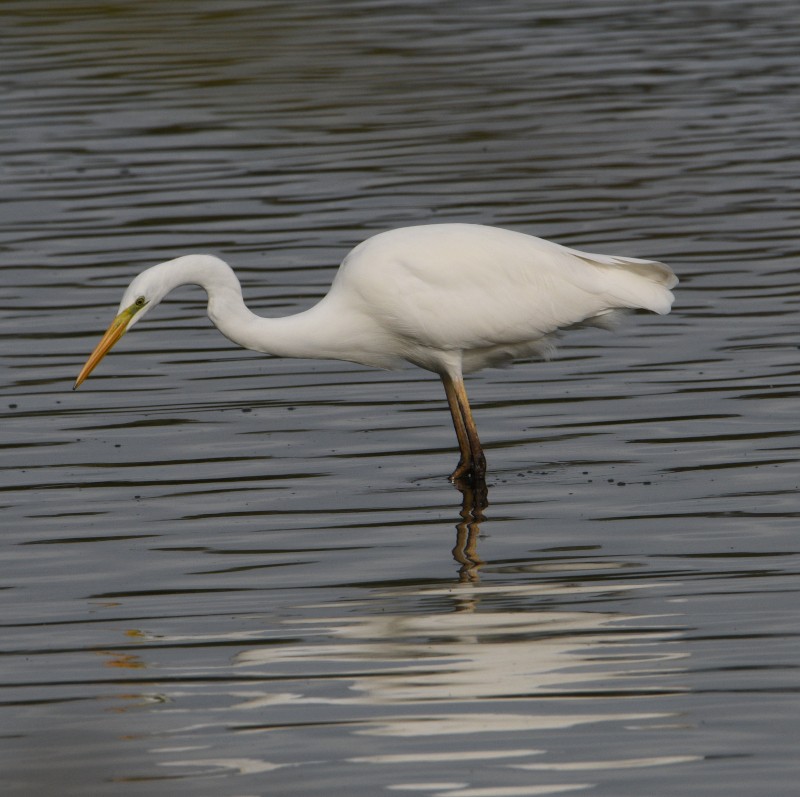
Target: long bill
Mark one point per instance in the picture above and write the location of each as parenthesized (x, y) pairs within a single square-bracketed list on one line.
[(117, 329)]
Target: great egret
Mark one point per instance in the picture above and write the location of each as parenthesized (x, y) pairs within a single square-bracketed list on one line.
[(450, 298)]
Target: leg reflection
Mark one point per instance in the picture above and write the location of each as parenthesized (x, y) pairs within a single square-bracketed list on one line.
[(474, 499)]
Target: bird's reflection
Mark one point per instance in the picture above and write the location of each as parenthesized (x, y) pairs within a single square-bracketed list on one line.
[(474, 500)]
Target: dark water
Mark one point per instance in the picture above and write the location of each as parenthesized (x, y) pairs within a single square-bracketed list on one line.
[(228, 575)]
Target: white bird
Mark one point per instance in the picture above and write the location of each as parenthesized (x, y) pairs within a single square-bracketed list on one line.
[(449, 298)]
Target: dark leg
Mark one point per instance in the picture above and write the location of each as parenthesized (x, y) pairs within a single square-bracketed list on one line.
[(472, 463), (465, 459)]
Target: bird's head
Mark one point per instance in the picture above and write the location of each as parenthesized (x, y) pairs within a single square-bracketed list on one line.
[(144, 293)]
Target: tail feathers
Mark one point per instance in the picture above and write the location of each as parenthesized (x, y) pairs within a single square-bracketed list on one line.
[(642, 284), (649, 269), (608, 319)]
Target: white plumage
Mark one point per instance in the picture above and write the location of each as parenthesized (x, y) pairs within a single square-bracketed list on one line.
[(450, 298)]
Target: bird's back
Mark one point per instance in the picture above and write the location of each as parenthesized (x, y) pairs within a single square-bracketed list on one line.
[(488, 293)]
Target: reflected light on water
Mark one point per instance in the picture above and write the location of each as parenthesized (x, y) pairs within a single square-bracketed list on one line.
[(460, 790), (455, 674)]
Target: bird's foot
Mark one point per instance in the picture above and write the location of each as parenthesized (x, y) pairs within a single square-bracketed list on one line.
[(462, 472), (470, 471)]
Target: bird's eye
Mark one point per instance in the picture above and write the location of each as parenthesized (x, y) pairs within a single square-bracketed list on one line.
[(140, 302)]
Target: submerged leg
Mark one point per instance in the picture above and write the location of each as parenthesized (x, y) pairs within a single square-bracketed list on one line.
[(472, 463)]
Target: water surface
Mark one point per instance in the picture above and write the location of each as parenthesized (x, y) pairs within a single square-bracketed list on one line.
[(231, 575)]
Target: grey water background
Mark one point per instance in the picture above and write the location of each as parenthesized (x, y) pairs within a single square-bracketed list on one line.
[(229, 575)]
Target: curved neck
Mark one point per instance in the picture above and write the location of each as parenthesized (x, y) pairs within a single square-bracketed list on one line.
[(309, 334)]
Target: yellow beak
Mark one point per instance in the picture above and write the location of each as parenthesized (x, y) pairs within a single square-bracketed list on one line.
[(112, 335)]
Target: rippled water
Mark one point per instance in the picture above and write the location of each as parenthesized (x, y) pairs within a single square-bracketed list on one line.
[(231, 575)]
